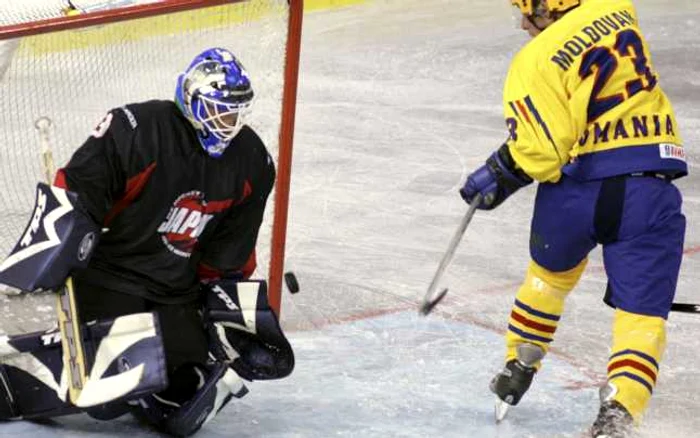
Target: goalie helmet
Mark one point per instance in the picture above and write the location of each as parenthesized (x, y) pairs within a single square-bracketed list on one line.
[(536, 7), (215, 94)]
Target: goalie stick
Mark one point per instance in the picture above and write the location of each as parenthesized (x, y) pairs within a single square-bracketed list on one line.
[(430, 301), (66, 308)]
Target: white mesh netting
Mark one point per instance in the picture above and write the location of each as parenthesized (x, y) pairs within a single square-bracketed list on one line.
[(74, 77)]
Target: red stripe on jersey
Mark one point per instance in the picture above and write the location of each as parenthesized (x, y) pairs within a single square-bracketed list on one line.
[(206, 272), (217, 206), (250, 265), (134, 186), (60, 180), (247, 190), (523, 110)]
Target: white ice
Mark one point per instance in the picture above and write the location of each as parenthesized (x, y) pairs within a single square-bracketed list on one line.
[(398, 100)]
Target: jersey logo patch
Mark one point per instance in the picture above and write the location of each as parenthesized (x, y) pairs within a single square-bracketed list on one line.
[(671, 151), (186, 221)]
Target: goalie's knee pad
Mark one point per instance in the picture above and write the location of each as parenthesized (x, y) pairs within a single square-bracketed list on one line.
[(217, 384), (125, 358), (244, 330)]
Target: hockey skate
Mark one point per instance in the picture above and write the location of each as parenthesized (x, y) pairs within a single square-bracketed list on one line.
[(514, 380), (614, 421)]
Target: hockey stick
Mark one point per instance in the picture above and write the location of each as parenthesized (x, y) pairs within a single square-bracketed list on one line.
[(685, 308), (429, 302), (66, 308)]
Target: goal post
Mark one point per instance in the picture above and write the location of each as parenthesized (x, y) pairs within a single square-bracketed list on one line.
[(72, 69)]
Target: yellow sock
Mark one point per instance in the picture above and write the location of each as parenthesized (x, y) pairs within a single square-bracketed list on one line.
[(638, 345), (538, 306)]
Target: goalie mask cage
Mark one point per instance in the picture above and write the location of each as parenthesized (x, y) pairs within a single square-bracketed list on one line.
[(62, 70)]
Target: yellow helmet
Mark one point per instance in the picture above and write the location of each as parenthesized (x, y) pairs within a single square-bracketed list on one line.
[(529, 7)]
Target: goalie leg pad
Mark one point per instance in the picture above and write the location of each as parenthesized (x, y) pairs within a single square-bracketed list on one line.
[(218, 384), (244, 330), (125, 360)]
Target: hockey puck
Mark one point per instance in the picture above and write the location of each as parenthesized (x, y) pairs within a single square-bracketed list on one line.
[(291, 280)]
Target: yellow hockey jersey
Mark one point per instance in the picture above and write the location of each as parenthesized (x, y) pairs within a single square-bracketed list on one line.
[(583, 99)]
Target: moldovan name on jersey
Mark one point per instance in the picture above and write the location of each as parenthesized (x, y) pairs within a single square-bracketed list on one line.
[(590, 35)]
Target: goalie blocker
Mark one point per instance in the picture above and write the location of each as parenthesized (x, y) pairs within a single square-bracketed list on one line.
[(60, 238)]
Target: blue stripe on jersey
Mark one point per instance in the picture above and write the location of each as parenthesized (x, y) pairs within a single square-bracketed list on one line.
[(538, 117)]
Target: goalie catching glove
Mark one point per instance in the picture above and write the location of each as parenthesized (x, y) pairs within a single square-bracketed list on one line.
[(245, 340), (244, 330)]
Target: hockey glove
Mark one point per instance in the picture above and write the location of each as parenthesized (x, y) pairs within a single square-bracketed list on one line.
[(495, 181), (244, 331)]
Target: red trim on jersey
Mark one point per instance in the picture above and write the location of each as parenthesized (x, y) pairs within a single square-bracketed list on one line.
[(523, 111), (60, 180), (207, 272), (134, 186), (217, 206), (250, 265), (247, 190)]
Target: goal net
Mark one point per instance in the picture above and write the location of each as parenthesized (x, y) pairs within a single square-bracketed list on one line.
[(63, 68)]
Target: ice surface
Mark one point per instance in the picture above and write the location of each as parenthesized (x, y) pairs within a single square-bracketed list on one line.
[(397, 375), (398, 100)]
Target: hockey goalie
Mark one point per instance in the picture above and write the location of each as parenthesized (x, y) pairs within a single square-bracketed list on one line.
[(152, 227)]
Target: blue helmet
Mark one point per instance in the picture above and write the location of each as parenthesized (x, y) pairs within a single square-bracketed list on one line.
[(215, 94)]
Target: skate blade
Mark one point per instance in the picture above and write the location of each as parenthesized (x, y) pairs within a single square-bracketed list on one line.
[(500, 410)]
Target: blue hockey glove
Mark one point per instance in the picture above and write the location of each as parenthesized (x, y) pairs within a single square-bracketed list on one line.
[(495, 180)]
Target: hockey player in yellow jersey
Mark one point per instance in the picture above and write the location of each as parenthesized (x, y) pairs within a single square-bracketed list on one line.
[(588, 120)]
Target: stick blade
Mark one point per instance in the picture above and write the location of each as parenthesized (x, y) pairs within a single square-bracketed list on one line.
[(429, 305), (685, 308)]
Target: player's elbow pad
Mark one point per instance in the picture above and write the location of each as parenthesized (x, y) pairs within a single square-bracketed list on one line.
[(59, 238)]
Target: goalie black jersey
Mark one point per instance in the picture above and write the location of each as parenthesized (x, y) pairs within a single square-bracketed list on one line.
[(169, 211)]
